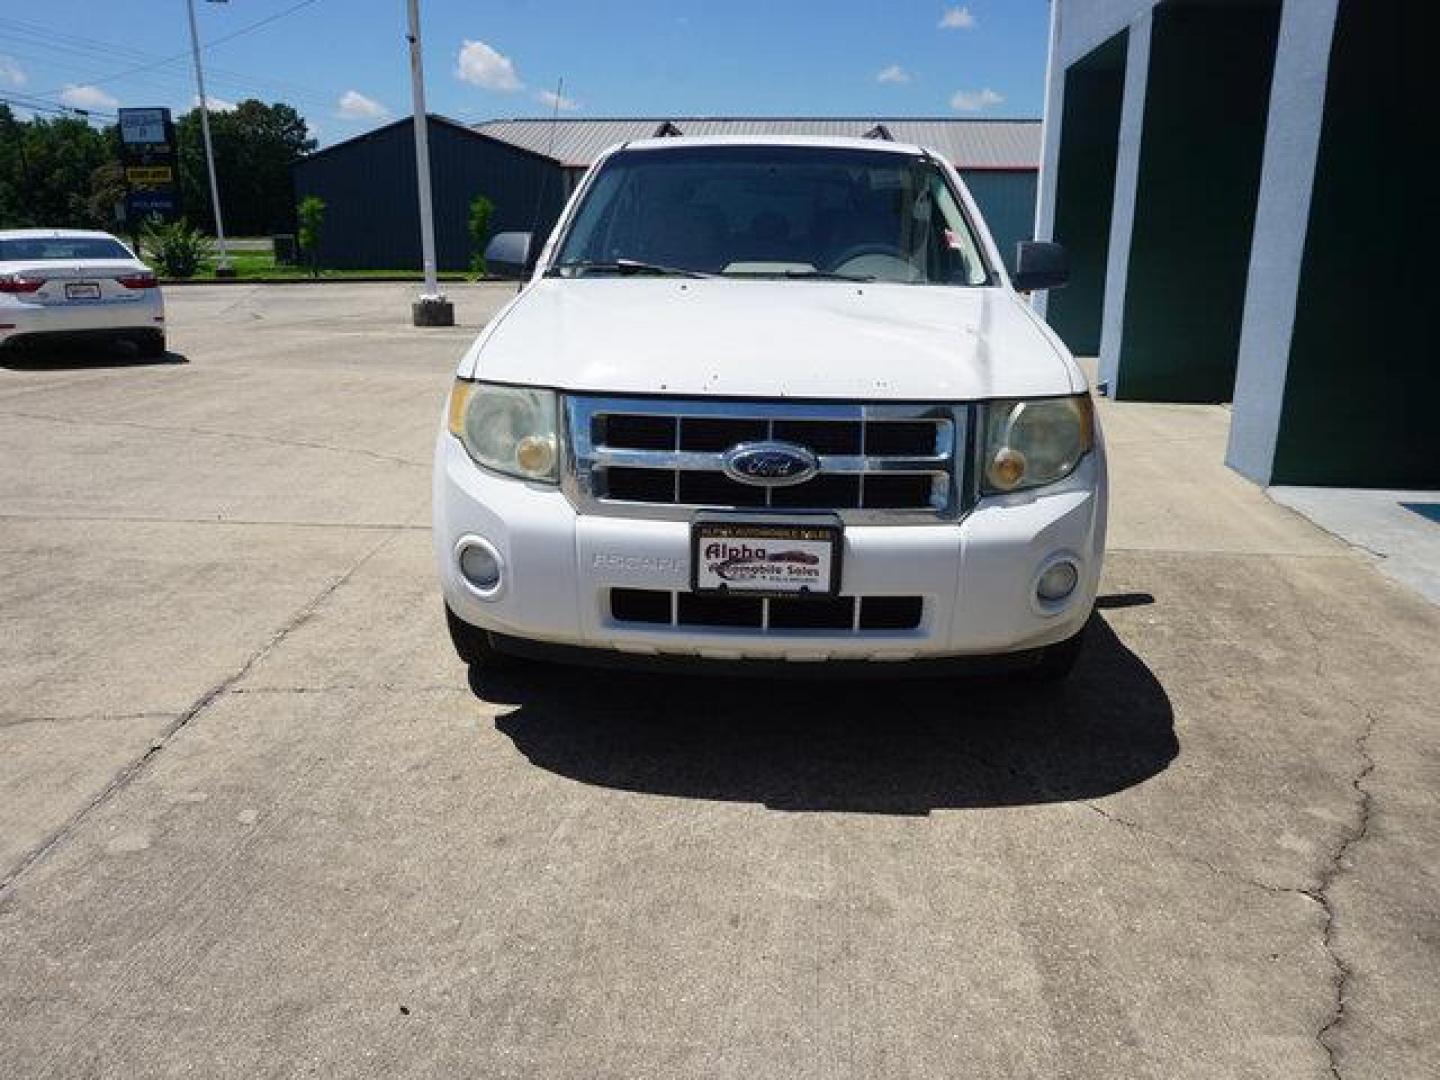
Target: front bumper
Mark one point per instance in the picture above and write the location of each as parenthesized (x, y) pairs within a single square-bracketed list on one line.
[(977, 576)]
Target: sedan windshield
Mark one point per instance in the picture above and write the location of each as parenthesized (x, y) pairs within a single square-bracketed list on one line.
[(774, 212), (55, 249)]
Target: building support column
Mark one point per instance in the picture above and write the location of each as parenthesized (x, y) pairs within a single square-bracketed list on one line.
[(1122, 214), (1049, 147)]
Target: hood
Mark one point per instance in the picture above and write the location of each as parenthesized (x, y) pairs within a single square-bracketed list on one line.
[(802, 339)]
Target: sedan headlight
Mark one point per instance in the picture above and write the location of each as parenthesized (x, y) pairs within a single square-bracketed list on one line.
[(1035, 441), (510, 429)]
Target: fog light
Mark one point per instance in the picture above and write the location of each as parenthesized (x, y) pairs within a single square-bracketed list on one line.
[(480, 564), (1057, 582)]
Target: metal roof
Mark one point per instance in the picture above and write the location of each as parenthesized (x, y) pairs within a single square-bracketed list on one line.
[(967, 144)]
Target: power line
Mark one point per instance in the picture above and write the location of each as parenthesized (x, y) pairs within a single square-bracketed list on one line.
[(69, 111), (176, 84), (152, 65)]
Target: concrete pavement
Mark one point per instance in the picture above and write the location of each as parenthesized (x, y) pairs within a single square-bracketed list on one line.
[(254, 820)]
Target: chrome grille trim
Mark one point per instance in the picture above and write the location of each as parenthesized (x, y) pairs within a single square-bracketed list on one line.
[(586, 460)]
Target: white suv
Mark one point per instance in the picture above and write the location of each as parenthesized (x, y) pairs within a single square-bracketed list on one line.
[(771, 402)]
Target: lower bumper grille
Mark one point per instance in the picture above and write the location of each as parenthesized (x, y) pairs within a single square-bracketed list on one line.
[(659, 607)]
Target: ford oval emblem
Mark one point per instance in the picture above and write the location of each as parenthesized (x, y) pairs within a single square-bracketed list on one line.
[(770, 464)]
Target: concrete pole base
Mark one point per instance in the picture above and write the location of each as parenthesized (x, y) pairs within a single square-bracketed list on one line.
[(224, 271), (433, 311)]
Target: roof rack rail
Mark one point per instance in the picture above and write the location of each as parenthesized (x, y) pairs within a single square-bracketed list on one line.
[(879, 131)]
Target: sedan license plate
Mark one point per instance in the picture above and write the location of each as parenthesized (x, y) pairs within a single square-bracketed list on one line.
[(765, 558), (82, 290)]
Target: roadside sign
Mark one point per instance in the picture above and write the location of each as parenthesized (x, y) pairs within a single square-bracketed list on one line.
[(150, 176), (145, 127), (147, 152), (140, 205)]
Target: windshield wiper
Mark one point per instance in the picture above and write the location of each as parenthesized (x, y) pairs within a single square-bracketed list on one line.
[(814, 275), (828, 275), (632, 266)]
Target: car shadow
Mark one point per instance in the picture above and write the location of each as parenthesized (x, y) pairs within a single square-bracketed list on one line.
[(71, 356), (895, 746)]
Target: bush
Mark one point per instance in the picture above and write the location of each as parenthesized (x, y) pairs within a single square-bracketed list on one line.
[(481, 209), (311, 217), (178, 250)]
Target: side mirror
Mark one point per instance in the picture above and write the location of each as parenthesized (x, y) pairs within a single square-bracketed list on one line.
[(507, 255), (1039, 265)]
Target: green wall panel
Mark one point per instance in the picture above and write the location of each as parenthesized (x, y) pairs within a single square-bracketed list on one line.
[(1203, 135), (1085, 191), (1006, 198), (1360, 392)]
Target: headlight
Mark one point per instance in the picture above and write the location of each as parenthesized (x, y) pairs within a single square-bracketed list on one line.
[(1036, 441), (510, 429)]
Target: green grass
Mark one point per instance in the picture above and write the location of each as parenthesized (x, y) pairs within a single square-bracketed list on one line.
[(261, 264)]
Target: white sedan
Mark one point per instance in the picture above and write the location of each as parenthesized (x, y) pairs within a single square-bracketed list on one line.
[(71, 283)]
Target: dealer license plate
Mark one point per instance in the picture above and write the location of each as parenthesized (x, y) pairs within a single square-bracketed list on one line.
[(82, 290), (754, 557)]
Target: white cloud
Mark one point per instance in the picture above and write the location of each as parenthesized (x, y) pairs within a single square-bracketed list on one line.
[(483, 66), (893, 74), (87, 97), (975, 100), (11, 73), (957, 18), (551, 100), (216, 104), (356, 106)]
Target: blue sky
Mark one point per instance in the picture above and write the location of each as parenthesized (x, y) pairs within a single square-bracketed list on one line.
[(342, 63)]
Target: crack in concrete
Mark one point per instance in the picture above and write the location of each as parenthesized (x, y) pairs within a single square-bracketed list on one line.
[(1190, 857), (272, 440), (1335, 865), (1319, 894), (343, 688), (125, 776), (1331, 873), (21, 721)]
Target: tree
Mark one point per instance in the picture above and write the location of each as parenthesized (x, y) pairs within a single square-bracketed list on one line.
[(14, 171), (311, 215), (51, 170), (45, 171), (255, 146), (107, 191), (481, 210)]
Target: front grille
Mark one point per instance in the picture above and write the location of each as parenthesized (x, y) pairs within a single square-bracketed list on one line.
[(659, 607), (662, 457)]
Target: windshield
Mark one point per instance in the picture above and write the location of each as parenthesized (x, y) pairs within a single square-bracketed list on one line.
[(775, 212), (53, 249)]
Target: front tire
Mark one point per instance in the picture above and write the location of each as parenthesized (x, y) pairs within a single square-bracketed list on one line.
[(472, 644)]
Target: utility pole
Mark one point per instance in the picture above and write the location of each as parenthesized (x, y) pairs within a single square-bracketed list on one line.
[(430, 308), (222, 268)]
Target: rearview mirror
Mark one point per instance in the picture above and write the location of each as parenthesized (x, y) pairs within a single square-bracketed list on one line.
[(507, 255), (1039, 265)]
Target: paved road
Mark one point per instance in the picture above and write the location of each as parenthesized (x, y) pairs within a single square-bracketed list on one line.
[(255, 821)]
